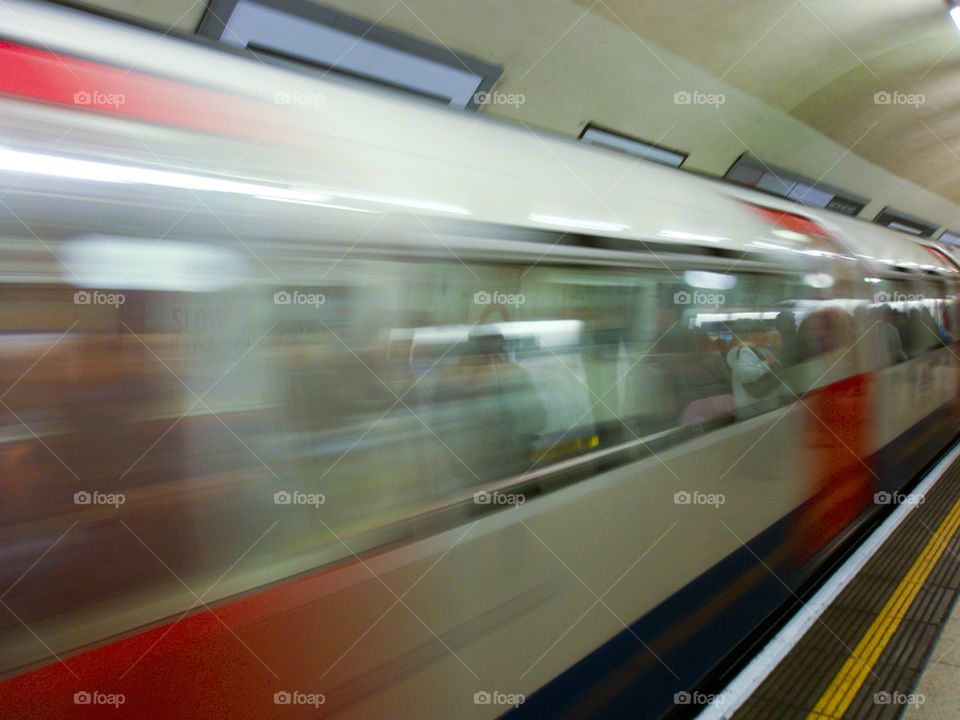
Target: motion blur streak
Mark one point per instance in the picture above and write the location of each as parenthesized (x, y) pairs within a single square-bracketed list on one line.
[(358, 408)]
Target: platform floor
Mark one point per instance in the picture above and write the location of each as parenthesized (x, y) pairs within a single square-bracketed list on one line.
[(939, 688), (864, 657)]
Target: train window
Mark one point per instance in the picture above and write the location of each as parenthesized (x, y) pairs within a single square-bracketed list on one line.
[(928, 316), (349, 408), (899, 319)]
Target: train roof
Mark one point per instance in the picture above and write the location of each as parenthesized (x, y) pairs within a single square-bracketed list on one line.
[(362, 147), (877, 247)]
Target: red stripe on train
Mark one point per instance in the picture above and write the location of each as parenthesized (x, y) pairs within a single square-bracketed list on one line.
[(789, 221), (836, 442), (92, 87), (203, 667)]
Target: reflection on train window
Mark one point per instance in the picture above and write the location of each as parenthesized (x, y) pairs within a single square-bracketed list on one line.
[(383, 393), (903, 319)]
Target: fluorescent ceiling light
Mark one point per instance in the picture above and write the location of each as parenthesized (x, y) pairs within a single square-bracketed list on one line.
[(955, 16), (818, 280), (103, 261), (709, 280), (734, 316), (622, 143)]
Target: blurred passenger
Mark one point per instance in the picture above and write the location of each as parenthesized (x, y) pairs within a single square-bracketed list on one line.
[(901, 323), (931, 329), (755, 384), (869, 341), (915, 332), (861, 326), (886, 318), (861, 320), (703, 382), (789, 353), (496, 412), (946, 327)]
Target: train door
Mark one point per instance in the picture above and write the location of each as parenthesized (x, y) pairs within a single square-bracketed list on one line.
[(833, 393)]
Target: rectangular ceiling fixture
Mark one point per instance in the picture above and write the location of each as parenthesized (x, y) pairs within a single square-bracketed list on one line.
[(896, 220), (751, 172), (954, 12), (596, 135), (950, 238), (327, 40)]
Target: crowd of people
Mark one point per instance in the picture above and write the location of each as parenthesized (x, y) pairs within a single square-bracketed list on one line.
[(732, 370)]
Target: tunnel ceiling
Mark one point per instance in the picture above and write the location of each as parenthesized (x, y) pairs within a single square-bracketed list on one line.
[(824, 62)]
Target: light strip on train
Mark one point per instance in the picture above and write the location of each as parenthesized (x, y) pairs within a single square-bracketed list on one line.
[(402, 202), (65, 167), (733, 316), (680, 235), (311, 203), (129, 263), (709, 280), (577, 223)]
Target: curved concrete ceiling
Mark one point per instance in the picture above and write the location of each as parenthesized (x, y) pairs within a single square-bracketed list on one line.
[(824, 62)]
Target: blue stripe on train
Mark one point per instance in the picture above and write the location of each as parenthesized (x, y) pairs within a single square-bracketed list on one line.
[(623, 679), (900, 460), (648, 692)]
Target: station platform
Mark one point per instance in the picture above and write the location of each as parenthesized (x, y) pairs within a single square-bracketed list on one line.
[(939, 686), (881, 637)]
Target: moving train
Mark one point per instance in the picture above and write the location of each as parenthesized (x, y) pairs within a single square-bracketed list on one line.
[(316, 401)]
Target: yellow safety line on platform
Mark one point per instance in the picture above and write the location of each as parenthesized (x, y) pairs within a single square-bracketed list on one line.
[(848, 681)]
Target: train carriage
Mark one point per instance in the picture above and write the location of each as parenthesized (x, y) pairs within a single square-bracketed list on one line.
[(372, 408)]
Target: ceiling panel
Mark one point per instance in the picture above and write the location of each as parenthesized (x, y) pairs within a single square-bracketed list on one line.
[(824, 61)]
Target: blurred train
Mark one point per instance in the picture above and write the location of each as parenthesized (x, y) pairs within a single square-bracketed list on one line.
[(361, 408)]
